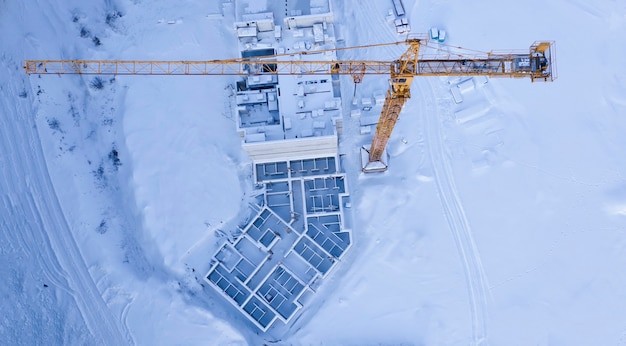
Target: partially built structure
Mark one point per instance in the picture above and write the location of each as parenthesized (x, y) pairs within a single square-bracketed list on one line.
[(289, 127)]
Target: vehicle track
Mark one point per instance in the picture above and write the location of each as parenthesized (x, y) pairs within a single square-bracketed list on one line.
[(452, 207), (453, 210), (37, 226)]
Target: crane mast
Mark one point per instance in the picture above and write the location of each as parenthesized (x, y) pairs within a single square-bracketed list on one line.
[(538, 64), (401, 77)]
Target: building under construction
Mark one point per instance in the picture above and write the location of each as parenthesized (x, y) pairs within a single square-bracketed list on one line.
[(289, 126)]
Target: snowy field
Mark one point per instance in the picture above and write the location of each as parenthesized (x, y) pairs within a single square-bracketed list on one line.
[(502, 218)]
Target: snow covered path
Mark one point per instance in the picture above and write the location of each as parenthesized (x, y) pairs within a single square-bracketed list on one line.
[(454, 212), (36, 217)]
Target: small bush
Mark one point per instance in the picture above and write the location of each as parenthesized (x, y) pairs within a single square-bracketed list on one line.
[(112, 17), (100, 177), (54, 124), (84, 32), (97, 83), (115, 160), (103, 227), (96, 41)]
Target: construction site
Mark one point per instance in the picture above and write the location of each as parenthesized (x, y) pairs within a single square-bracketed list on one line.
[(289, 113), (312, 172)]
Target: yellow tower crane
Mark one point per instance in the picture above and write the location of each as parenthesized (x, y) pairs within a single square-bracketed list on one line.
[(538, 64)]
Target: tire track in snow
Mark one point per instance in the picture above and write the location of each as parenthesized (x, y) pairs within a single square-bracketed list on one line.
[(455, 216), (39, 226), (374, 30), (451, 203), (22, 239)]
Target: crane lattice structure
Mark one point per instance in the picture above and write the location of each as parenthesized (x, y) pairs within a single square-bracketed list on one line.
[(538, 64)]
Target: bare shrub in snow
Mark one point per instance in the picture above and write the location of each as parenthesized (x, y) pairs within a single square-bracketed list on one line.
[(103, 227), (97, 83), (84, 32), (115, 160), (54, 124)]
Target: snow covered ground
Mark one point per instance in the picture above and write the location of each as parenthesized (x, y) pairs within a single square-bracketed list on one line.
[(500, 221)]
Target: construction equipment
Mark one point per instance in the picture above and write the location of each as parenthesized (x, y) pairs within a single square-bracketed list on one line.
[(538, 64)]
